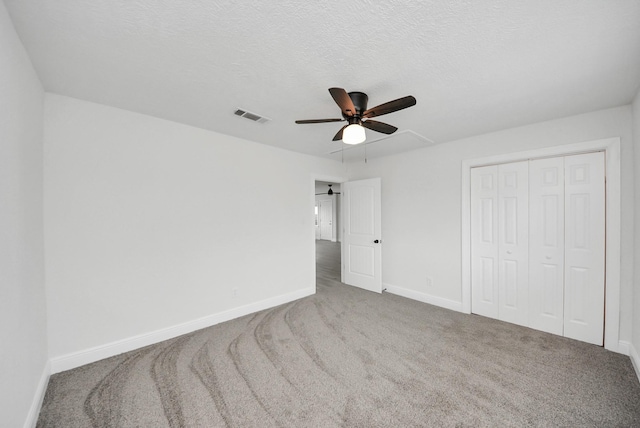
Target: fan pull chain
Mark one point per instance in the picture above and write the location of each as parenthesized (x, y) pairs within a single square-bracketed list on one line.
[(365, 152)]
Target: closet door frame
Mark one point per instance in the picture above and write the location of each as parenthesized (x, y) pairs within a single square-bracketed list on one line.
[(611, 148)]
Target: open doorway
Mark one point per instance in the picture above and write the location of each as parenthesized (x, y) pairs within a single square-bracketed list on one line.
[(327, 211), (328, 234)]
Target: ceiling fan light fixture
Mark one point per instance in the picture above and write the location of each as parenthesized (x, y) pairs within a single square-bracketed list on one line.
[(353, 106), (353, 134)]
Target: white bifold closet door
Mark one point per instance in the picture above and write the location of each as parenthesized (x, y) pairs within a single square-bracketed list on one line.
[(484, 241), (499, 267), (537, 244), (584, 247), (546, 245)]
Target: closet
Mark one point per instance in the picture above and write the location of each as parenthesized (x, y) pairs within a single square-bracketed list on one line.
[(538, 244)]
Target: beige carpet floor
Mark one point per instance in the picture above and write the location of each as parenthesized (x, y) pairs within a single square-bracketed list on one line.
[(350, 358)]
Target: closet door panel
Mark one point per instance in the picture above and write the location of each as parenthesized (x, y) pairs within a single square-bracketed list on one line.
[(546, 245), (584, 247), (484, 241), (513, 252)]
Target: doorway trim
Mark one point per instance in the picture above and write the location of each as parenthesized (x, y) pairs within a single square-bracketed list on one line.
[(312, 233), (611, 147)]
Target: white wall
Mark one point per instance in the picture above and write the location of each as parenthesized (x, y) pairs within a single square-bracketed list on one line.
[(151, 223), (23, 343), (635, 341), (421, 199)]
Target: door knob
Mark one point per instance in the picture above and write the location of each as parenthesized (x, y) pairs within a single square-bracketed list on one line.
[(377, 241), (508, 252)]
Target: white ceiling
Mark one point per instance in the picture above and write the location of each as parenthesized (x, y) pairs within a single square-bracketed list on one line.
[(474, 66)]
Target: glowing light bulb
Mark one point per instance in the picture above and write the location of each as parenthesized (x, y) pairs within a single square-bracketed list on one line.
[(353, 134)]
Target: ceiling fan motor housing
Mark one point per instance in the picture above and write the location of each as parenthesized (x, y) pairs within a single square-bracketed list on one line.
[(360, 100)]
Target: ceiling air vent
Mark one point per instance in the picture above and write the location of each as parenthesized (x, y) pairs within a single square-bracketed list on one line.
[(251, 116)]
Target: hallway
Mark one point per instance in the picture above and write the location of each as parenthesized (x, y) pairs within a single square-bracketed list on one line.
[(327, 261)]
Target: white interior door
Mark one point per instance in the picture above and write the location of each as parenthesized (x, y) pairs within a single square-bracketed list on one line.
[(584, 247), (326, 219), (362, 252), (484, 241), (499, 241), (546, 244), (513, 242)]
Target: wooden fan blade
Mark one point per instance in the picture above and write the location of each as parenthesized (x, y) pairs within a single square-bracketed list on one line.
[(318, 121), (390, 107), (338, 136), (374, 125), (343, 100)]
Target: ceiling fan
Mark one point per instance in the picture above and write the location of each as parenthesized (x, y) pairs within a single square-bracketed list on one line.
[(330, 192), (354, 111)]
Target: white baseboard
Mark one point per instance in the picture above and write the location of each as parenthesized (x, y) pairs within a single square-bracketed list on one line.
[(38, 397), (425, 298), (77, 359), (635, 359), (624, 347)]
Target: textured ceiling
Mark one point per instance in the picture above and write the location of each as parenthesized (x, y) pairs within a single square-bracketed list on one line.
[(474, 66)]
